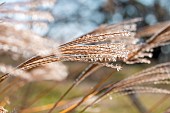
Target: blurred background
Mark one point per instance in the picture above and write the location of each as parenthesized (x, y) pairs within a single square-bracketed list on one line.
[(73, 18), (70, 19)]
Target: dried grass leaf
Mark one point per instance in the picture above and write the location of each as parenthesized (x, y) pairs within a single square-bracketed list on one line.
[(140, 89)]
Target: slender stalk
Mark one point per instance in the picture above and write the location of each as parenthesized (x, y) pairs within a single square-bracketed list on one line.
[(89, 70), (157, 104), (89, 95), (137, 103)]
